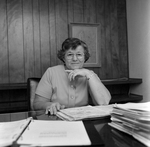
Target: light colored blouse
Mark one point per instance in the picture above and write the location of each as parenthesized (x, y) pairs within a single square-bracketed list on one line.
[(56, 86)]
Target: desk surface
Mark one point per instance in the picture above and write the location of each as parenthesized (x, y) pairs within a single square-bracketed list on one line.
[(102, 132)]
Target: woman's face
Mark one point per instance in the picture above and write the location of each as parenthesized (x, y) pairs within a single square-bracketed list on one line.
[(74, 59)]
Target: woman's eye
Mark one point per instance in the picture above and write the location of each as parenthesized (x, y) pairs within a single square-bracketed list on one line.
[(69, 55), (79, 55)]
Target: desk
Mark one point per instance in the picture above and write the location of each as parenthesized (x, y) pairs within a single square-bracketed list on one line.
[(98, 129)]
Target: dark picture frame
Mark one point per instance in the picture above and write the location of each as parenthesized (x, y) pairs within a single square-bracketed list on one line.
[(90, 34)]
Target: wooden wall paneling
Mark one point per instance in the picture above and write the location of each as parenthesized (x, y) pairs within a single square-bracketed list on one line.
[(18, 100), (4, 72), (17, 95), (4, 96), (108, 54), (18, 116), (37, 28), (15, 41), (90, 17), (4, 107), (28, 39), (89, 11), (4, 101), (5, 117), (122, 39), (100, 19), (70, 13), (36, 39), (61, 23), (78, 9), (44, 35), (18, 106), (52, 24), (114, 39)]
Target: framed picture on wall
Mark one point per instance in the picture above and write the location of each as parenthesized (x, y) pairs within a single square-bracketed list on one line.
[(90, 34)]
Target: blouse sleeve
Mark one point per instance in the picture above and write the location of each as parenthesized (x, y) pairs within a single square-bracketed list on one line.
[(44, 88)]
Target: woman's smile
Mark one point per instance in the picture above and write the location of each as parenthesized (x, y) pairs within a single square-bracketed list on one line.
[(74, 59)]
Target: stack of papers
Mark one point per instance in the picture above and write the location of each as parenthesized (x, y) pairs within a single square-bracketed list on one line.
[(133, 119), (85, 112)]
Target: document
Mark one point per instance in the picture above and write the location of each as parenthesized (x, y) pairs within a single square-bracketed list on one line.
[(55, 133), (137, 111), (10, 131), (85, 112)]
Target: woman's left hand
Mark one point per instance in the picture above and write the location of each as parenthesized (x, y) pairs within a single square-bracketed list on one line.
[(72, 74)]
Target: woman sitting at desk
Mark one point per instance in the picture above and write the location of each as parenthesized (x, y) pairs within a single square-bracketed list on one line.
[(68, 85)]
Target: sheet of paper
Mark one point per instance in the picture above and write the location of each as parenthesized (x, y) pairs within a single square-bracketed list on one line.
[(55, 133), (10, 131), (107, 108), (145, 106), (78, 113)]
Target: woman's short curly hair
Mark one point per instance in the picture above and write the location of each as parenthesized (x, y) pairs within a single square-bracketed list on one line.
[(72, 43)]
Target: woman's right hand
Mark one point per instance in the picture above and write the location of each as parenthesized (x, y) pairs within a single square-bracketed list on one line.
[(53, 108)]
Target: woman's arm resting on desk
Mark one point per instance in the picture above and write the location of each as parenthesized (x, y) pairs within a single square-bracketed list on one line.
[(41, 103), (97, 90)]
